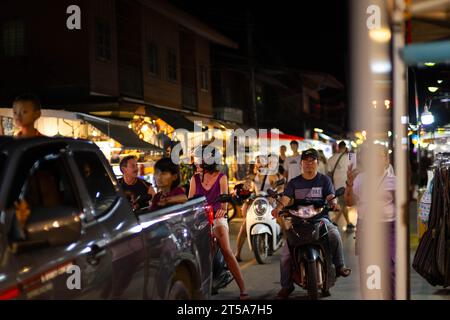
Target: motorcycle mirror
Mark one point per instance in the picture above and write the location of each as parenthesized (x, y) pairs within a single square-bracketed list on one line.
[(340, 192)]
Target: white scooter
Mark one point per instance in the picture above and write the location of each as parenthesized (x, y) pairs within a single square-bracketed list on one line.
[(264, 234)]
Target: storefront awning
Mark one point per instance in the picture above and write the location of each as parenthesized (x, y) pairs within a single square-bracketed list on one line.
[(279, 136), (212, 123), (119, 131), (174, 119)]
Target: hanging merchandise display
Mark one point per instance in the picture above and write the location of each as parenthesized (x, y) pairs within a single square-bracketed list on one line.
[(432, 259)]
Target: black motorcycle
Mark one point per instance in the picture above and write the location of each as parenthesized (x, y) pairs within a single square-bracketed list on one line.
[(307, 238), (221, 274)]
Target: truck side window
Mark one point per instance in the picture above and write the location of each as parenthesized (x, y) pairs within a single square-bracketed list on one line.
[(42, 190), (97, 180)]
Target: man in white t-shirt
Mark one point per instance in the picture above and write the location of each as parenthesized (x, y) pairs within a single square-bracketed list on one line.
[(292, 164), (337, 167)]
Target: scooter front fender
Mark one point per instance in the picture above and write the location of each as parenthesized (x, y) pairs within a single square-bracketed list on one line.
[(311, 254), (260, 228), (256, 229)]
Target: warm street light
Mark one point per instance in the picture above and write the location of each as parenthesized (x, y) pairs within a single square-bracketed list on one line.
[(427, 117), (429, 64), (318, 130), (433, 89)]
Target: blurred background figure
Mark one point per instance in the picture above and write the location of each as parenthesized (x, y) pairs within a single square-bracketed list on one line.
[(337, 167), (282, 159), (322, 163), (292, 167)]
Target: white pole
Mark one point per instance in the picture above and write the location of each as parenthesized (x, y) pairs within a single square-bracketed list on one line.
[(400, 154)]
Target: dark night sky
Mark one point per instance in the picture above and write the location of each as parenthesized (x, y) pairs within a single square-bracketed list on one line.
[(309, 35)]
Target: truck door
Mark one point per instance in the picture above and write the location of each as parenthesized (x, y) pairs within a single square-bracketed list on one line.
[(43, 193), (113, 212)]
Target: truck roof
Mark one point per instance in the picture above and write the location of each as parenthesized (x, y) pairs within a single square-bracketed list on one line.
[(11, 143)]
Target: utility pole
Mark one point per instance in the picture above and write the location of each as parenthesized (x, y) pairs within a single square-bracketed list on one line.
[(251, 64)]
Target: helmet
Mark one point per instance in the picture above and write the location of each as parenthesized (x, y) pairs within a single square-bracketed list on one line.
[(241, 192), (209, 156)]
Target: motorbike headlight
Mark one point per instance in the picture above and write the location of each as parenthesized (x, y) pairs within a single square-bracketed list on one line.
[(260, 207)]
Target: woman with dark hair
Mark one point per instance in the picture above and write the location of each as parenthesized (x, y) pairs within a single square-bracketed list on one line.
[(167, 178), (211, 183)]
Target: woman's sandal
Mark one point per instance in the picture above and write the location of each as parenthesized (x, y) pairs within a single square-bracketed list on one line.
[(244, 296)]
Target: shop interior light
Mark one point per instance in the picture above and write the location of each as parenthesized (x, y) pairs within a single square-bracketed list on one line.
[(374, 103), (318, 130), (381, 35), (440, 81), (427, 117), (145, 128), (429, 64), (433, 89), (387, 103)]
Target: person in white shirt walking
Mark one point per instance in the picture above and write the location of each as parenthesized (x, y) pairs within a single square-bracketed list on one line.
[(292, 164), (337, 167)]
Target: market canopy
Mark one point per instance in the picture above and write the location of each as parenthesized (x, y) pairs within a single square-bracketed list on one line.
[(119, 131), (174, 119), (279, 136), (437, 52)]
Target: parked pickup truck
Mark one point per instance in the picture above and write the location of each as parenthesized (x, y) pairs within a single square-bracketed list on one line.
[(67, 230)]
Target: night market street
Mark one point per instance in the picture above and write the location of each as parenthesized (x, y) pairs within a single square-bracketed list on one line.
[(203, 151)]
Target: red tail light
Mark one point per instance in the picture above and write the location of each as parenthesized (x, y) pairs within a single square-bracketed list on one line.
[(210, 211), (9, 294)]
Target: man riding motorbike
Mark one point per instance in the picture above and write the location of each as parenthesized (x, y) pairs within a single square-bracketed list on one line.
[(310, 186)]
